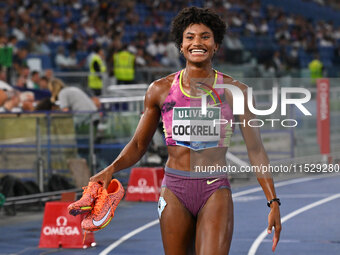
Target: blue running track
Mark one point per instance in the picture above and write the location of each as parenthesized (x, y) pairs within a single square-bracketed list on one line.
[(310, 207)]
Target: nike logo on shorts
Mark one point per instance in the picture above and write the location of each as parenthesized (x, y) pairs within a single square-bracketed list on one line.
[(212, 181), (100, 222)]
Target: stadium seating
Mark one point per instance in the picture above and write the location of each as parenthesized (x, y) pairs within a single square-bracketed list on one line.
[(258, 44)]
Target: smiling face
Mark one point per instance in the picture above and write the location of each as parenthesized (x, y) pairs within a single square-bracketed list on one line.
[(198, 44)]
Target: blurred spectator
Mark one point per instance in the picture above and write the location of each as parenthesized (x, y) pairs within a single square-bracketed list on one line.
[(40, 45), (282, 33), (326, 41), (155, 48), (9, 100), (19, 59), (25, 71), (12, 42), (97, 70), (291, 58), (43, 83), (70, 98), (21, 82), (64, 62), (132, 48), (83, 107), (250, 26), (13, 100), (3, 80), (315, 68), (75, 100), (45, 105), (3, 97), (234, 48), (336, 34), (3, 40), (49, 74), (27, 101), (333, 3), (114, 47), (140, 60), (61, 58), (237, 20), (263, 29), (102, 37), (277, 64), (18, 32), (23, 78), (124, 66), (79, 26), (72, 61), (171, 58), (56, 36), (33, 82)]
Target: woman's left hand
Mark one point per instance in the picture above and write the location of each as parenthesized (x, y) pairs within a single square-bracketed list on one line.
[(274, 220)]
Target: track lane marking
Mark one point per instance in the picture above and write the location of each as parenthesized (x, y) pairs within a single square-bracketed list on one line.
[(262, 236), (279, 184), (237, 194), (127, 236)]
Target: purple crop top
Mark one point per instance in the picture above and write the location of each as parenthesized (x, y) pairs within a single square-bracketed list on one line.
[(183, 121)]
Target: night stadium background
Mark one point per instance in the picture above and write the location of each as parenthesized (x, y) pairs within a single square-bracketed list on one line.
[(45, 152)]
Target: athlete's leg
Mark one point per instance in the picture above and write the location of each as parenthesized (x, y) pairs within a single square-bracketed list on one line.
[(177, 226), (215, 223)]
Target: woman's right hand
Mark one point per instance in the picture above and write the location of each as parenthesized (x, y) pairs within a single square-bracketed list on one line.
[(104, 176)]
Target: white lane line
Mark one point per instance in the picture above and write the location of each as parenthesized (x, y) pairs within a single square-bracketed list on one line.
[(263, 235), (279, 184), (127, 236), (288, 196), (237, 194)]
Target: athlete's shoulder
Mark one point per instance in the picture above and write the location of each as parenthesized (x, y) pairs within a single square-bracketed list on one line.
[(227, 79), (160, 88), (163, 83)]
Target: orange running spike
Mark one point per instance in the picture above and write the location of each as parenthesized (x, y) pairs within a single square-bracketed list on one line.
[(105, 205), (85, 203)]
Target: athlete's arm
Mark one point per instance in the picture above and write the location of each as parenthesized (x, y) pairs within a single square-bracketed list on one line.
[(258, 157), (136, 148)]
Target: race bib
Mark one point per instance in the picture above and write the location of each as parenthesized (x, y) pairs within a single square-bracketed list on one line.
[(190, 125)]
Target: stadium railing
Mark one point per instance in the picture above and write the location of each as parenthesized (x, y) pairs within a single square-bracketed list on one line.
[(43, 142)]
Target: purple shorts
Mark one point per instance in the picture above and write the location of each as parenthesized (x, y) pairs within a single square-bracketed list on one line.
[(193, 193)]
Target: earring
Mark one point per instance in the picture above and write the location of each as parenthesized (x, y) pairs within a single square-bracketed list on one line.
[(181, 52)]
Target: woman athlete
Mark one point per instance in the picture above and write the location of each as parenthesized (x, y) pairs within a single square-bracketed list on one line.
[(196, 212)]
